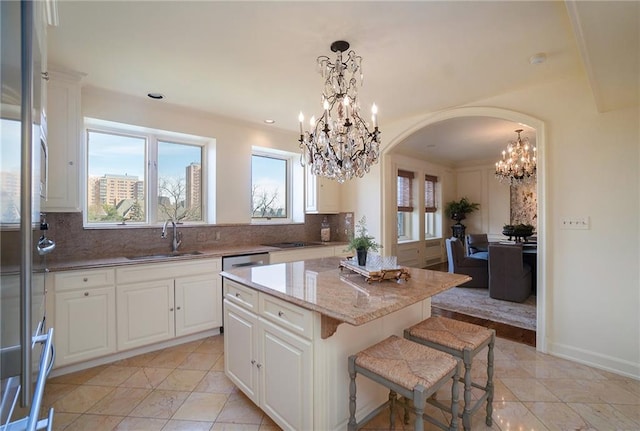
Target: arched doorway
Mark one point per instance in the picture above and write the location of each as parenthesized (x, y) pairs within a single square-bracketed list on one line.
[(388, 183)]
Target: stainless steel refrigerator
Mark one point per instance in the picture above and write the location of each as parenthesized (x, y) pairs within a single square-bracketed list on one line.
[(26, 351)]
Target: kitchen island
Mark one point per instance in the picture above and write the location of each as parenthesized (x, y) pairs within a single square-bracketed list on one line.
[(290, 327)]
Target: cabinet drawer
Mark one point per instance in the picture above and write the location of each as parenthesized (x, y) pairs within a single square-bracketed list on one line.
[(287, 315), (83, 279), (241, 295)]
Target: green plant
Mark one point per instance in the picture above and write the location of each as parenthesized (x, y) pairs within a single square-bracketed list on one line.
[(458, 210), (362, 240)]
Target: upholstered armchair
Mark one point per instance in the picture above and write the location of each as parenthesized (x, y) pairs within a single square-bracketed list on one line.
[(461, 264), (509, 277), (478, 245)]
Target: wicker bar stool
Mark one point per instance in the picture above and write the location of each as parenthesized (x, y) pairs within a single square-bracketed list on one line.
[(463, 340), (410, 370)]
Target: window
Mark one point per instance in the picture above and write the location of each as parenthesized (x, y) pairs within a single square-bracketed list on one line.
[(430, 206), (126, 165), (405, 203), (269, 191), (179, 181), (10, 171)]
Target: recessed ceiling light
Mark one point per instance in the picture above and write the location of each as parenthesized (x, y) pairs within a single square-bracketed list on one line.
[(156, 96), (269, 121), (538, 58)]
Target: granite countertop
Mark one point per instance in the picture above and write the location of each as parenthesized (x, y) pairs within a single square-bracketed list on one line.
[(319, 285), (181, 255)]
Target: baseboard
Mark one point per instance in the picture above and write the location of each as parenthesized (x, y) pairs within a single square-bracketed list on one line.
[(595, 360)]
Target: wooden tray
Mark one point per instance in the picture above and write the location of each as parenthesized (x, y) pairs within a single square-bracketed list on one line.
[(399, 273)]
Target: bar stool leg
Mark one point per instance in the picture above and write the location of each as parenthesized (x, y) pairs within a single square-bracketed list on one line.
[(466, 413), (490, 387), (352, 425), (392, 407), (454, 400), (419, 402)]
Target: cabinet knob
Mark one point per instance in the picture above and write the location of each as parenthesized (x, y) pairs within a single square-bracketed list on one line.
[(85, 279), (86, 293), (177, 308), (259, 365), (253, 362), (237, 294), (280, 313), (45, 75), (171, 309)]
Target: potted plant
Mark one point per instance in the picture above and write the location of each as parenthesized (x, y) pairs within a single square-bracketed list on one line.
[(362, 242), (458, 210)]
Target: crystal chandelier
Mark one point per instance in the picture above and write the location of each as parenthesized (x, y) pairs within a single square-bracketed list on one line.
[(518, 164), (340, 145)]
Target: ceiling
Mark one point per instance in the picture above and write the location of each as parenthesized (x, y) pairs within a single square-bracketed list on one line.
[(256, 60)]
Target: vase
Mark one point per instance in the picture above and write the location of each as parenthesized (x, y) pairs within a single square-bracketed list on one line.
[(362, 256)]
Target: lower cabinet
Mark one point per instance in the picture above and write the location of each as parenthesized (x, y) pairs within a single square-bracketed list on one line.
[(151, 311), (305, 253), (145, 313), (103, 311), (272, 365), (84, 315)]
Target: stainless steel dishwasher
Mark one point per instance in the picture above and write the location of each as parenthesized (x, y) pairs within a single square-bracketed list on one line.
[(242, 261)]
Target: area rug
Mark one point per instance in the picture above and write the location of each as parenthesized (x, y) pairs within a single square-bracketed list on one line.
[(477, 303)]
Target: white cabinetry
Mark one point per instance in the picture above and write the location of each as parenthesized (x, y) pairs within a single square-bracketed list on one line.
[(301, 253), (64, 137), (145, 313), (269, 354), (322, 195), (156, 302), (85, 315)]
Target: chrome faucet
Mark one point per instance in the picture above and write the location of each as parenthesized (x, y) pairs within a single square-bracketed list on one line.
[(175, 243)]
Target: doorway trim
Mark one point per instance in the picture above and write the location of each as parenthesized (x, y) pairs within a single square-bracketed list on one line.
[(388, 184)]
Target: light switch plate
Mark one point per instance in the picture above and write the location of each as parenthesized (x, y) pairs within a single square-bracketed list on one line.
[(575, 223)]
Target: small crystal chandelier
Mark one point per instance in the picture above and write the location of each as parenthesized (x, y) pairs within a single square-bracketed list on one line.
[(518, 164), (340, 145)]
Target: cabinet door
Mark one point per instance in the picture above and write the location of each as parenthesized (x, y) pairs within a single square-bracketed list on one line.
[(85, 324), (240, 355), (64, 143), (286, 377), (198, 301), (145, 313), (321, 194)]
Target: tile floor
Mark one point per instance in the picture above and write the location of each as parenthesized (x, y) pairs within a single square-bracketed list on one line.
[(184, 388)]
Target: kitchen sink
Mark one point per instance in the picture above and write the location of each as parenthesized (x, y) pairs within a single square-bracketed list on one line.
[(165, 255)]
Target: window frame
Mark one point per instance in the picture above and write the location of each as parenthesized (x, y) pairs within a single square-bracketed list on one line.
[(430, 216), (289, 158), (404, 204), (152, 137)]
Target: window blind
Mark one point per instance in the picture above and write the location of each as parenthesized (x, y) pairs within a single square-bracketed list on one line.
[(430, 193), (405, 198)]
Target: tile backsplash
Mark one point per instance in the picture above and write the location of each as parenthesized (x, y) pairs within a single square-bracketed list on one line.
[(74, 242)]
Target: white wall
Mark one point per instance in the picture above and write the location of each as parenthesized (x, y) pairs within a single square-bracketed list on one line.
[(479, 185), (233, 141), (590, 164)]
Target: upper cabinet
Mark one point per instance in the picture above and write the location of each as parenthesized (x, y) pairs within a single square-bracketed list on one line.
[(322, 195), (64, 140)]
